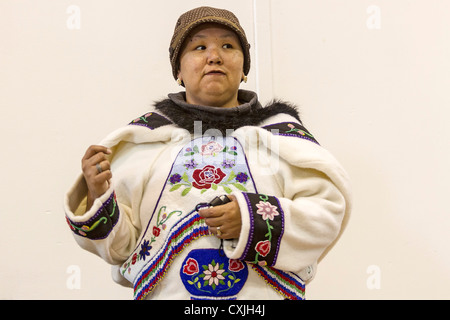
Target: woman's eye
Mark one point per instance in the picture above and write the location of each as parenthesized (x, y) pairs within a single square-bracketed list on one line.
[(200, 48), (227, 46)]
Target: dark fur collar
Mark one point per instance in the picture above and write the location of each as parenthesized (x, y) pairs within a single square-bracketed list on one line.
[(253, 117)]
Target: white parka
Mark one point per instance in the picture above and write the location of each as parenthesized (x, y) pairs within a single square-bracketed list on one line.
[(293, 195)]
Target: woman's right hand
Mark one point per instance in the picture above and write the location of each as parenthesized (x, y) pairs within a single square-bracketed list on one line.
[(97, 172)]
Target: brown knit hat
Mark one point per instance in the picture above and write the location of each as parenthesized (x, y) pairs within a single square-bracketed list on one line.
[(193, 18)]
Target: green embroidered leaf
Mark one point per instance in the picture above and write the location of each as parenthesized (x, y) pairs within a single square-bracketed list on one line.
[(227, 189), (205, 267), (203, 191), (186, 191), (221, 266), (239, 186), (185, 177), (221, 282), (229, 283), (195, 280), (234, 153), (199, 285), (159, 213), (189, 154), (225, 149), (213, 263), (190, 282), (175, 187), (237, 280), (231, 277), (168, 216), (204, 283), (195, 149), (213, 186), (232, 176), (202, 275), (213, 286)]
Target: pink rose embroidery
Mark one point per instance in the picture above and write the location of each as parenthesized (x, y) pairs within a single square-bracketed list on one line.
[(235, 265), (263, 247), (207, 176), (211, 148), (267, 210), (190, 267)]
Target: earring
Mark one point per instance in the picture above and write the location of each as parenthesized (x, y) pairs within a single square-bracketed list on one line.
[(245, 79), (180, 82)]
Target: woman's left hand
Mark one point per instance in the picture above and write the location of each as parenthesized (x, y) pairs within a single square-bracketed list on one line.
[(226, 217)]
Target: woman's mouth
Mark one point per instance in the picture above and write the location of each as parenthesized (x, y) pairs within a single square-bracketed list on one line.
[(215, 73)]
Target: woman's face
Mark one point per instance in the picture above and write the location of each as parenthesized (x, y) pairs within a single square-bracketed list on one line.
[(211, 66)]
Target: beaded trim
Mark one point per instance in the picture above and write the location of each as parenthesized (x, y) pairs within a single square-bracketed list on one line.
[(101, 224), (289, 285), (151, 120), (291, 129), (188, 229), (266, 229)]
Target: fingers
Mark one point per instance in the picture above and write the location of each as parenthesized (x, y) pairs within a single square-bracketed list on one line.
[(102, 166), (97, 169), (226, 232), (92, 150), (219, 211), (225, 220)]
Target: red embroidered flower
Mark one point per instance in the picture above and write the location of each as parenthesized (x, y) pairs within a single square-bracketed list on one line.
[(133, 261), (235, 265), (263, 247), (156, 231), (190, 267), (207, 176)]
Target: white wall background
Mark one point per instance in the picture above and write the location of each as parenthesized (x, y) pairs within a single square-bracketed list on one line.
[(372, 80)]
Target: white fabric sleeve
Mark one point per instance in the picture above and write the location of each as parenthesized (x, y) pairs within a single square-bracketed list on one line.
[(105, 229)]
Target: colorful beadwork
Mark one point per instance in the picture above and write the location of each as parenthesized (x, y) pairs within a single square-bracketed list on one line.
[(101, 224), (210, 163), (209, 274), (151, 120), (287, 284), (291, 129), (266, 229)]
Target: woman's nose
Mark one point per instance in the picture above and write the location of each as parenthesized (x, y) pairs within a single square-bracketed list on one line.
[(214, 57)]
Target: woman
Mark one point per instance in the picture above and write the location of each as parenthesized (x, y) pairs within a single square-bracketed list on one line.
[(209, 195)]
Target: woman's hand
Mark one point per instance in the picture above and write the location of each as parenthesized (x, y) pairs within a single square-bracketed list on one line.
[(97, 172), (227, 217)]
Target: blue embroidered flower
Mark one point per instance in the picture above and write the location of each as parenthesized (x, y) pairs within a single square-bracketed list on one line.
[(145, 249), (242, 177), (175, 178), (228, 163), (191, 164)]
